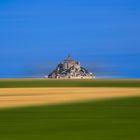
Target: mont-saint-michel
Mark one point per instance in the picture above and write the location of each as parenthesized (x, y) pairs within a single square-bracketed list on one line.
[(70, 69)]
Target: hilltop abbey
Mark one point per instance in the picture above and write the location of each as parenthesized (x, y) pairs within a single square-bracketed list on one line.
[(70, 69)]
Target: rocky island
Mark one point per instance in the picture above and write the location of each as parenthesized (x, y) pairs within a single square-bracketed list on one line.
[(70, 69)]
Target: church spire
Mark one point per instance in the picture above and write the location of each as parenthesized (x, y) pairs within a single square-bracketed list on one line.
[(69, 56)]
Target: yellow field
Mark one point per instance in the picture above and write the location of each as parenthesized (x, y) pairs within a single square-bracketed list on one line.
[(16, 97)]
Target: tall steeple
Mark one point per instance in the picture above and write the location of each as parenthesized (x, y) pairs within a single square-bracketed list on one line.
[(69, 56)]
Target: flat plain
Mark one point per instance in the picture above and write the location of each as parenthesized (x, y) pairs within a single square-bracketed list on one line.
[(16, 83), (17, 97), (113, 119), (69, 109)]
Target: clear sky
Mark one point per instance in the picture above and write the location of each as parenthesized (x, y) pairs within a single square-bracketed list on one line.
[(104, 35)]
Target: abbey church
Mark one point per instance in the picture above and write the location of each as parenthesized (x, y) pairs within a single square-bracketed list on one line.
[(70, 69)]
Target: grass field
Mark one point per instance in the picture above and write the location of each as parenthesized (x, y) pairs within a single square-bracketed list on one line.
[(117, 119), (110, 119), (9, 83)]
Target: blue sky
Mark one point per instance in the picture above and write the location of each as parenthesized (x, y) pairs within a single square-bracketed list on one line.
[(103, 35)]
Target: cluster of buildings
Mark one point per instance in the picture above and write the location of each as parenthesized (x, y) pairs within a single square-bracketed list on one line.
[(70, 69)]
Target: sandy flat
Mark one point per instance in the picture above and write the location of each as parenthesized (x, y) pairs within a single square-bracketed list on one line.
[(16, 97)]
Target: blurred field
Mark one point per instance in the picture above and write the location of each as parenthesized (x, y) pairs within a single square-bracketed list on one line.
[(117, 119), (11, 83), (100, 109), (16, 97)]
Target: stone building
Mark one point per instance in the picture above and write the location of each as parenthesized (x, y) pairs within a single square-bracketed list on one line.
[(70, 69)]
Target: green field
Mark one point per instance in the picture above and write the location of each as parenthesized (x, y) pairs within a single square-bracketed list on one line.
[(117, 119), (67, 83)]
